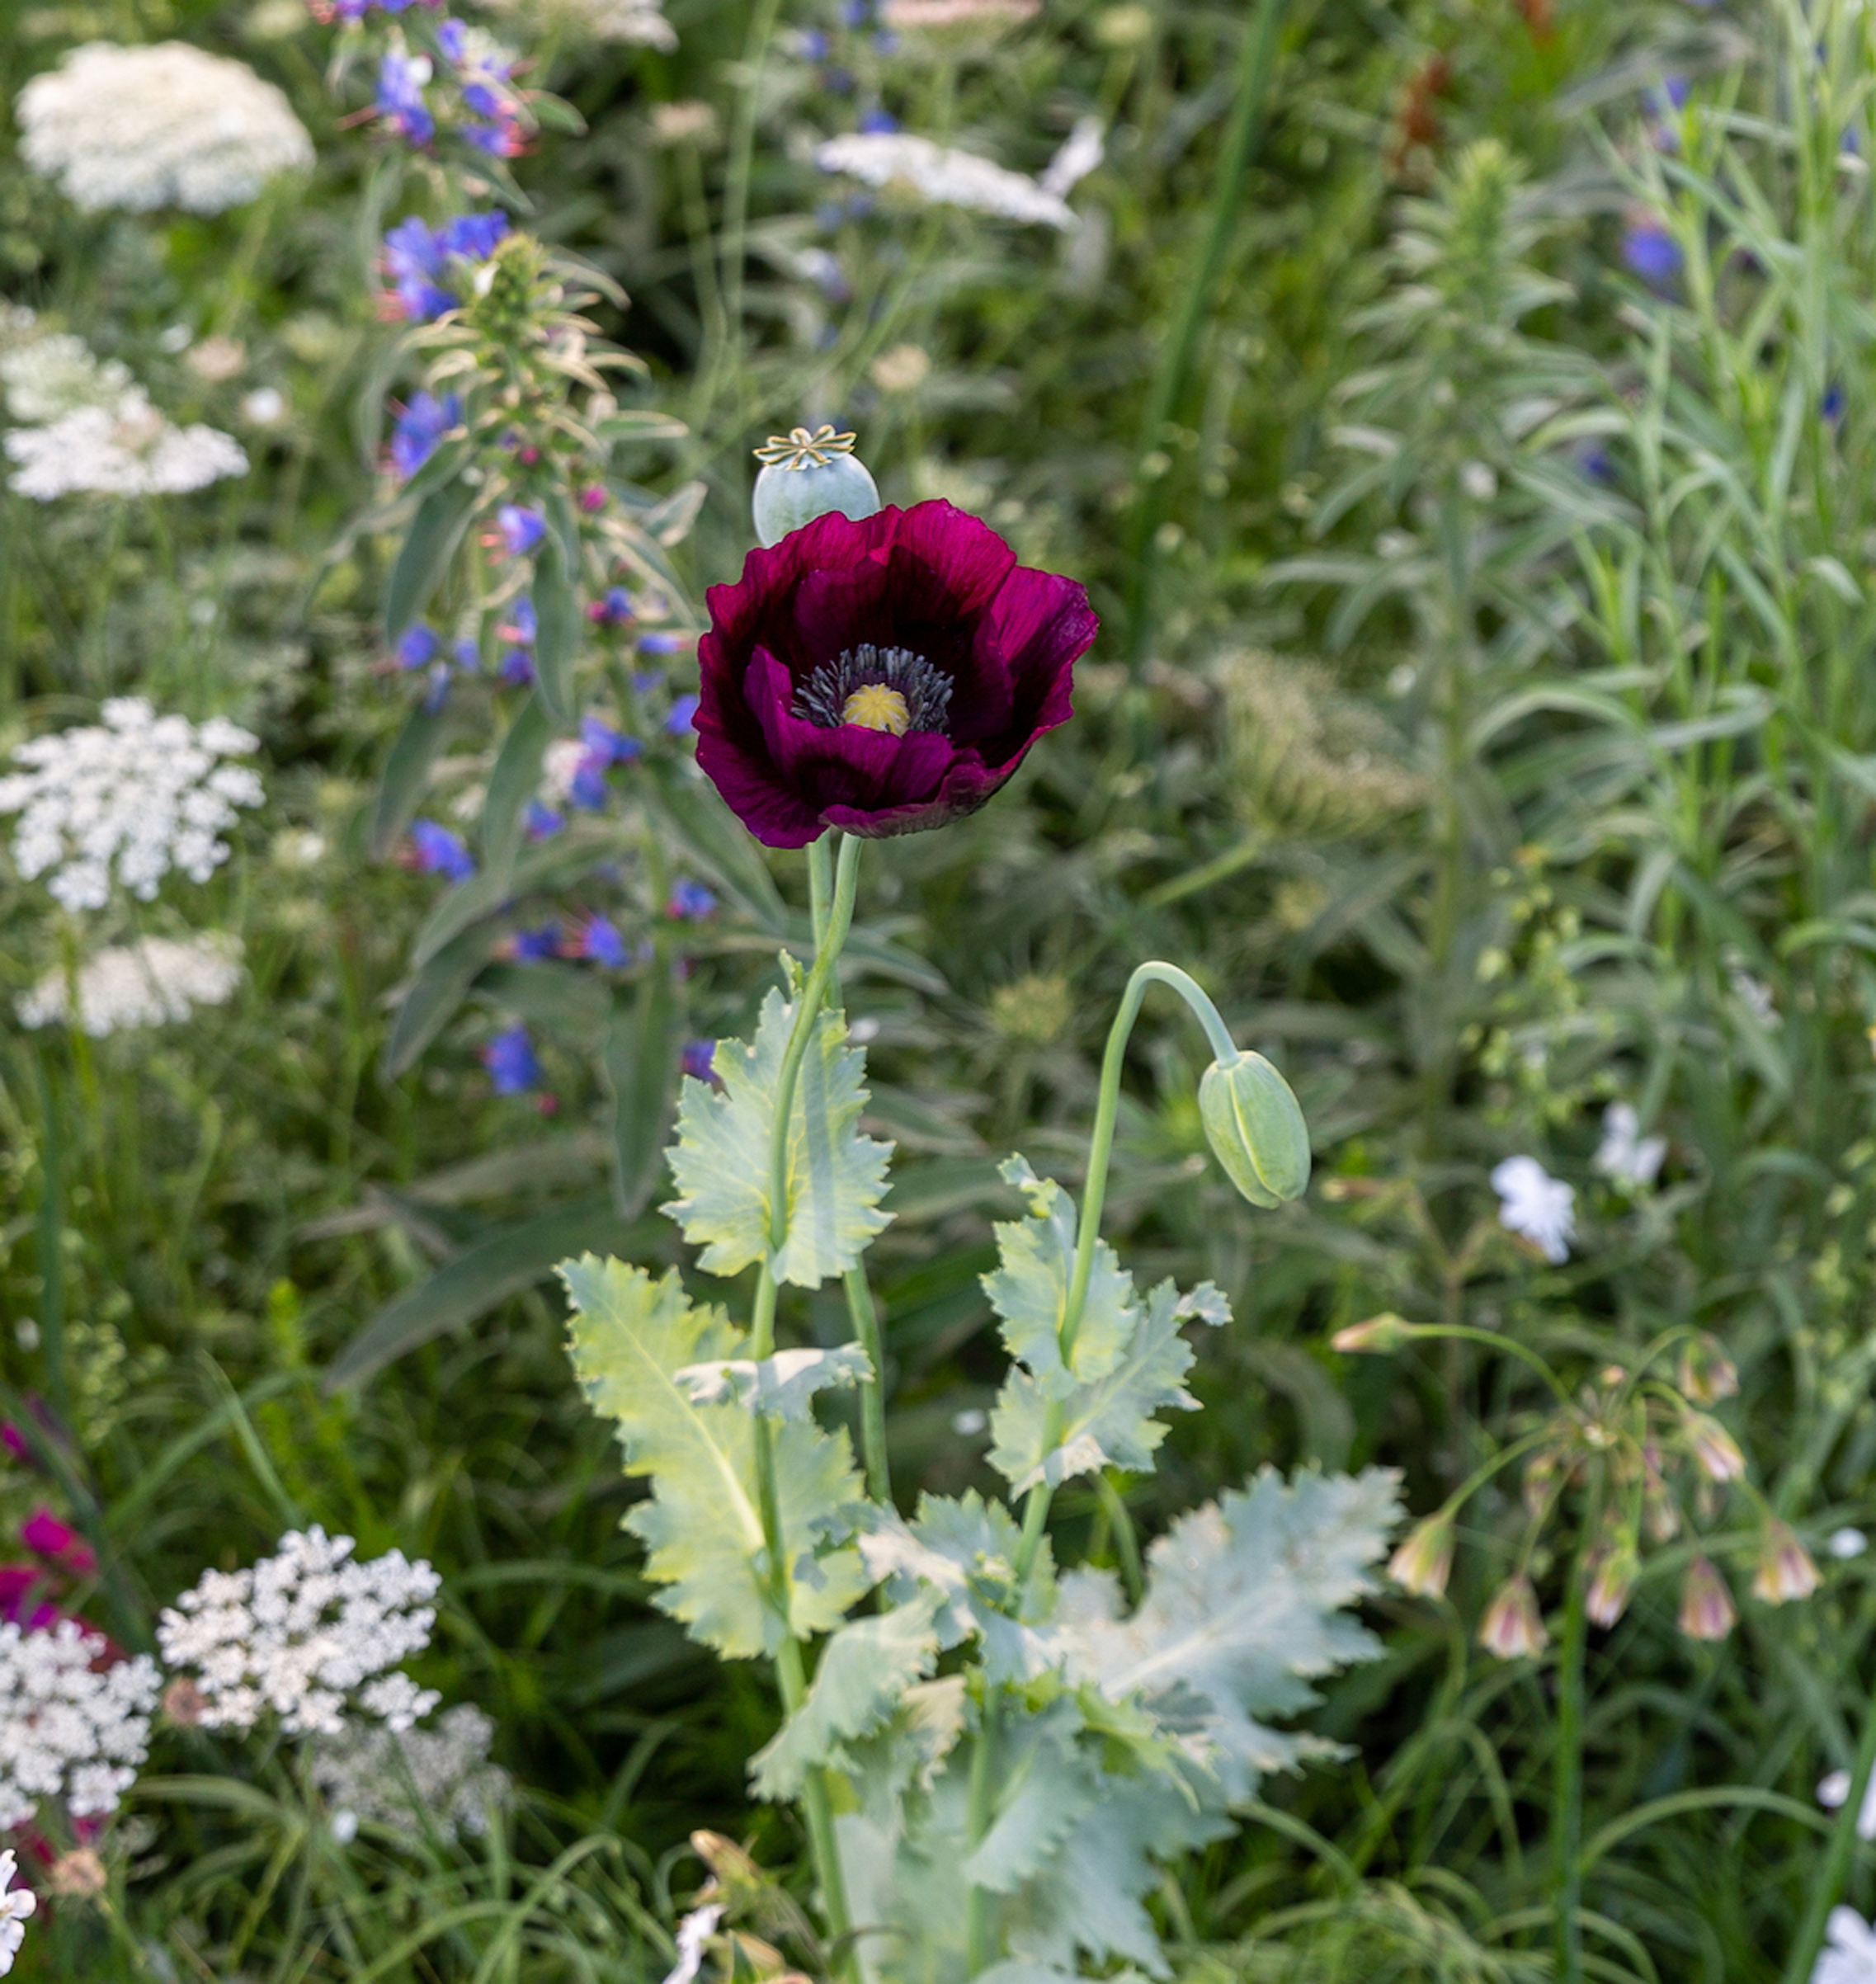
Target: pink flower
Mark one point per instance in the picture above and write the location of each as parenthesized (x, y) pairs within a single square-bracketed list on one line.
[(1513, 1627), (45, 1535), (1707, 1610), (1785, 1570), (1424, 1561)]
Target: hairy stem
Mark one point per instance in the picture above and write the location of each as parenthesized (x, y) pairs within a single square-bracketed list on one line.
[(817, 1806), (872, 1390)]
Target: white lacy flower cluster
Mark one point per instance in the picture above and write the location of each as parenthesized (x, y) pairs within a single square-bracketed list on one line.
[(134, 796), (87, 427), (441, 1776), (71, 1727), (949, 177), (640, 23), (305, 1634), (132, 985), (167, 126)]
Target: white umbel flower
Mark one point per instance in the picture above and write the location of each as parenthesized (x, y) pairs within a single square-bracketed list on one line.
[(167, 126), (55, 375), (128, 986), (694, 1932), (1625, 1157), (17, 1904), (1851, 1956), (945, 176), (441, 1776), (69, 1727), (126, 450), (305, 1634), (1539, 1208), (127, 800)]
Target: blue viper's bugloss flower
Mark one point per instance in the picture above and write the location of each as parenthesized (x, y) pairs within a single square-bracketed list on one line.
[(613, 746), (467, 655), (418, 258), (612, 610), (416, 647), (698, 1057), (878, 124), (854, 13), (517, 668), (1832, 406), (542, 822), (440, 852), (419, 428), (513, 1066), (527, 944), (401, 78), (690, 902), (521, 623), (1653, 253), (660, 643), (519, 529), (683, 716), (601, 941)]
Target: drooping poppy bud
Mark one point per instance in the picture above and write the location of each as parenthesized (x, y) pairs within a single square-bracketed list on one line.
[(1255, 1128), (806, 475)]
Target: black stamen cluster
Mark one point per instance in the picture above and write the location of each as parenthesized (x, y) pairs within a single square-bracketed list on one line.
[(927, 690)]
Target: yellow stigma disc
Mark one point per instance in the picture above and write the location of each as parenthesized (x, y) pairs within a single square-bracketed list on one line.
[(872, 706)]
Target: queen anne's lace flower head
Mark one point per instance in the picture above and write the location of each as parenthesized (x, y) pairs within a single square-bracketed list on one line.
[(127, 800), (132, 985), (128, 449), (74, 1725), (945, 176), (439, 1777), (167, 126), (305, 1634), (49, 377), (639, 22)]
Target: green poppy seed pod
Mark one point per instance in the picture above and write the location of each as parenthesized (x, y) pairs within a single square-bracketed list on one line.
[(1255, 1128), (805, 476)]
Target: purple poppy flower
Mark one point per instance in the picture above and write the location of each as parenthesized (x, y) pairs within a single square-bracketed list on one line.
[(440, 852), (698, 1057), (882, 676), (683, 716), (421, 425), (601, 941), (416, 646), (690, 902), (520, 529), (513, 1066), (1653, 253)]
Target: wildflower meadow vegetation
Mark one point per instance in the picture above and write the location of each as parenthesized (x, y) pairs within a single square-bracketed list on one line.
[(938, 1023)]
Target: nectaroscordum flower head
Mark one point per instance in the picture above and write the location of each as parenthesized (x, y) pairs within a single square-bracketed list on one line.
[(882, 674), (1785, 1569), (1424, 1561), (1707, 1610), (1615, 1567), (1513, 1627)]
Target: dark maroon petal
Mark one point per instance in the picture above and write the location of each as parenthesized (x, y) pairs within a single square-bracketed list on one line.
[(1038, 627)]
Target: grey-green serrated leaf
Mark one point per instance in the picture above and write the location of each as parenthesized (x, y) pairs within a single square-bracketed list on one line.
[(1108, 1424), (865, 1670), (1029, 1289), (783, 1386), (835, 1176), (1243, 1606), (702, 1526)]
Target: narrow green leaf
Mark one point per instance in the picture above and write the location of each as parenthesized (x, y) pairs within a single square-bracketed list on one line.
[(639, 1060), (512, 783), (557, 612), (702, 1526), (434, 995), (563, 997), (835, 1177), (504, 1263), (714, 835), (435, 532), (406, 773)]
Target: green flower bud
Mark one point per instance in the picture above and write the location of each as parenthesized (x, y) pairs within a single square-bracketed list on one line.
[(805, 476), (1255, 1129)]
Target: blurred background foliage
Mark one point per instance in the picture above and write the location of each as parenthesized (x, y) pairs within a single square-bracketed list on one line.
[(1483, 716)]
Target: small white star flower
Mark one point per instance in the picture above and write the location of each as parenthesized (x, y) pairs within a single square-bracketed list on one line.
[(1625, 1158), (1537, 1207), (17, 1904)]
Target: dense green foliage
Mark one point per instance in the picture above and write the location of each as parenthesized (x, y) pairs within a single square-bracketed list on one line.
[(1482, 715)]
